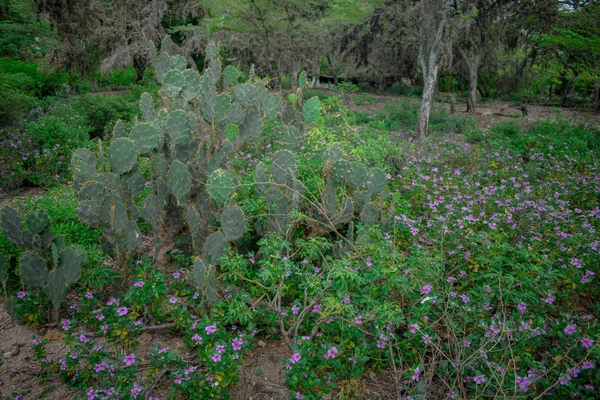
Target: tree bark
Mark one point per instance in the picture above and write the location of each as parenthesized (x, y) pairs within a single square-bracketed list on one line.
[(473, 75), (428, 93)]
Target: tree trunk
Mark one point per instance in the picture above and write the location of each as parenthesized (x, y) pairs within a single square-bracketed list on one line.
[(596, 98), (139, 64), (428, 93), (566, 91), (473, 74)]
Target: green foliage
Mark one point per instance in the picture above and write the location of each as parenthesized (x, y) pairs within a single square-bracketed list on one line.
[(101, 112)]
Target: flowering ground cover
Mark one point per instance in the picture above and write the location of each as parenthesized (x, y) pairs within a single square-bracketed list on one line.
[(473, 275)]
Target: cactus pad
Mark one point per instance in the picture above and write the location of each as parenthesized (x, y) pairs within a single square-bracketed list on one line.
[(12, 227), (369, 214), (119, 130), (114, 214), (251, 128), (302, 80), (56, 288), (357, 175), (272, 105), (230, 76), (122, 155), (3, 269), (214, 246), (37, 221), (89, 211), (70, 265), (135, 182), (311, 110), (284, 168), (198, 273), (173, 83), (84, 164), (147, 107), (192, 219), (150, 210), (376, 181), (145, 136), (232, 131), (162, 66), (222, 107), (220, 186), (246, 95), (180, 180), (233, 223), (179, 62), (133, 236), (192, 85), (178, 126), (33, 270)]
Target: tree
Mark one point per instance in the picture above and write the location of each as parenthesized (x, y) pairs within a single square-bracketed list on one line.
[(574, 47), (482, 35), (436, 24)]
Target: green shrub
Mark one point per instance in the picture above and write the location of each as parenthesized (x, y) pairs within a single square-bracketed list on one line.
[(102, 112)]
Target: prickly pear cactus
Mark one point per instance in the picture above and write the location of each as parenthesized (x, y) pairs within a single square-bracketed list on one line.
[(46, 264)]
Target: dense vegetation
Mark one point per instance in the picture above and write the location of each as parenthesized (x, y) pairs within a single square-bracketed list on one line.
[(200, 185)]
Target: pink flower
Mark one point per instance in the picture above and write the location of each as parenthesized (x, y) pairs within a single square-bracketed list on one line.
[(570, 329), (210, 329), (129, 360), (295, 358), (426, 289), (216, 357), (415, 376), (173, 300)]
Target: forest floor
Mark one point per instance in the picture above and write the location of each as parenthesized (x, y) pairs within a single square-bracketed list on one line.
[(262, 375)]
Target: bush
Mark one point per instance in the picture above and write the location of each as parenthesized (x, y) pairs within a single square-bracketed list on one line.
[(102, 112), (39, 152)]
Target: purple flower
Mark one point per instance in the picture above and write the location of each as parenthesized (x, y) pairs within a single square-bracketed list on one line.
[(426, 289), (587, 343), (415, 376), (173, 300), (295, 358), (139, 284), (197, 338), (129, 360), (176, 275), (316, 308), (331, 353), (210, 329), (136, 390), (37, 342), (216, 357), (237, 344), (570, 329), (522, 307), (220, 349), (100, 367), (22, 294), (89, 295), (91, 394), (479, 379), (299, 395), (587, 365), (84, 339), (122, 311)]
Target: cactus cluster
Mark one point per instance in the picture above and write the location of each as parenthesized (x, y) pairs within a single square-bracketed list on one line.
[(46, 262), (362, 188), (188, 140)]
